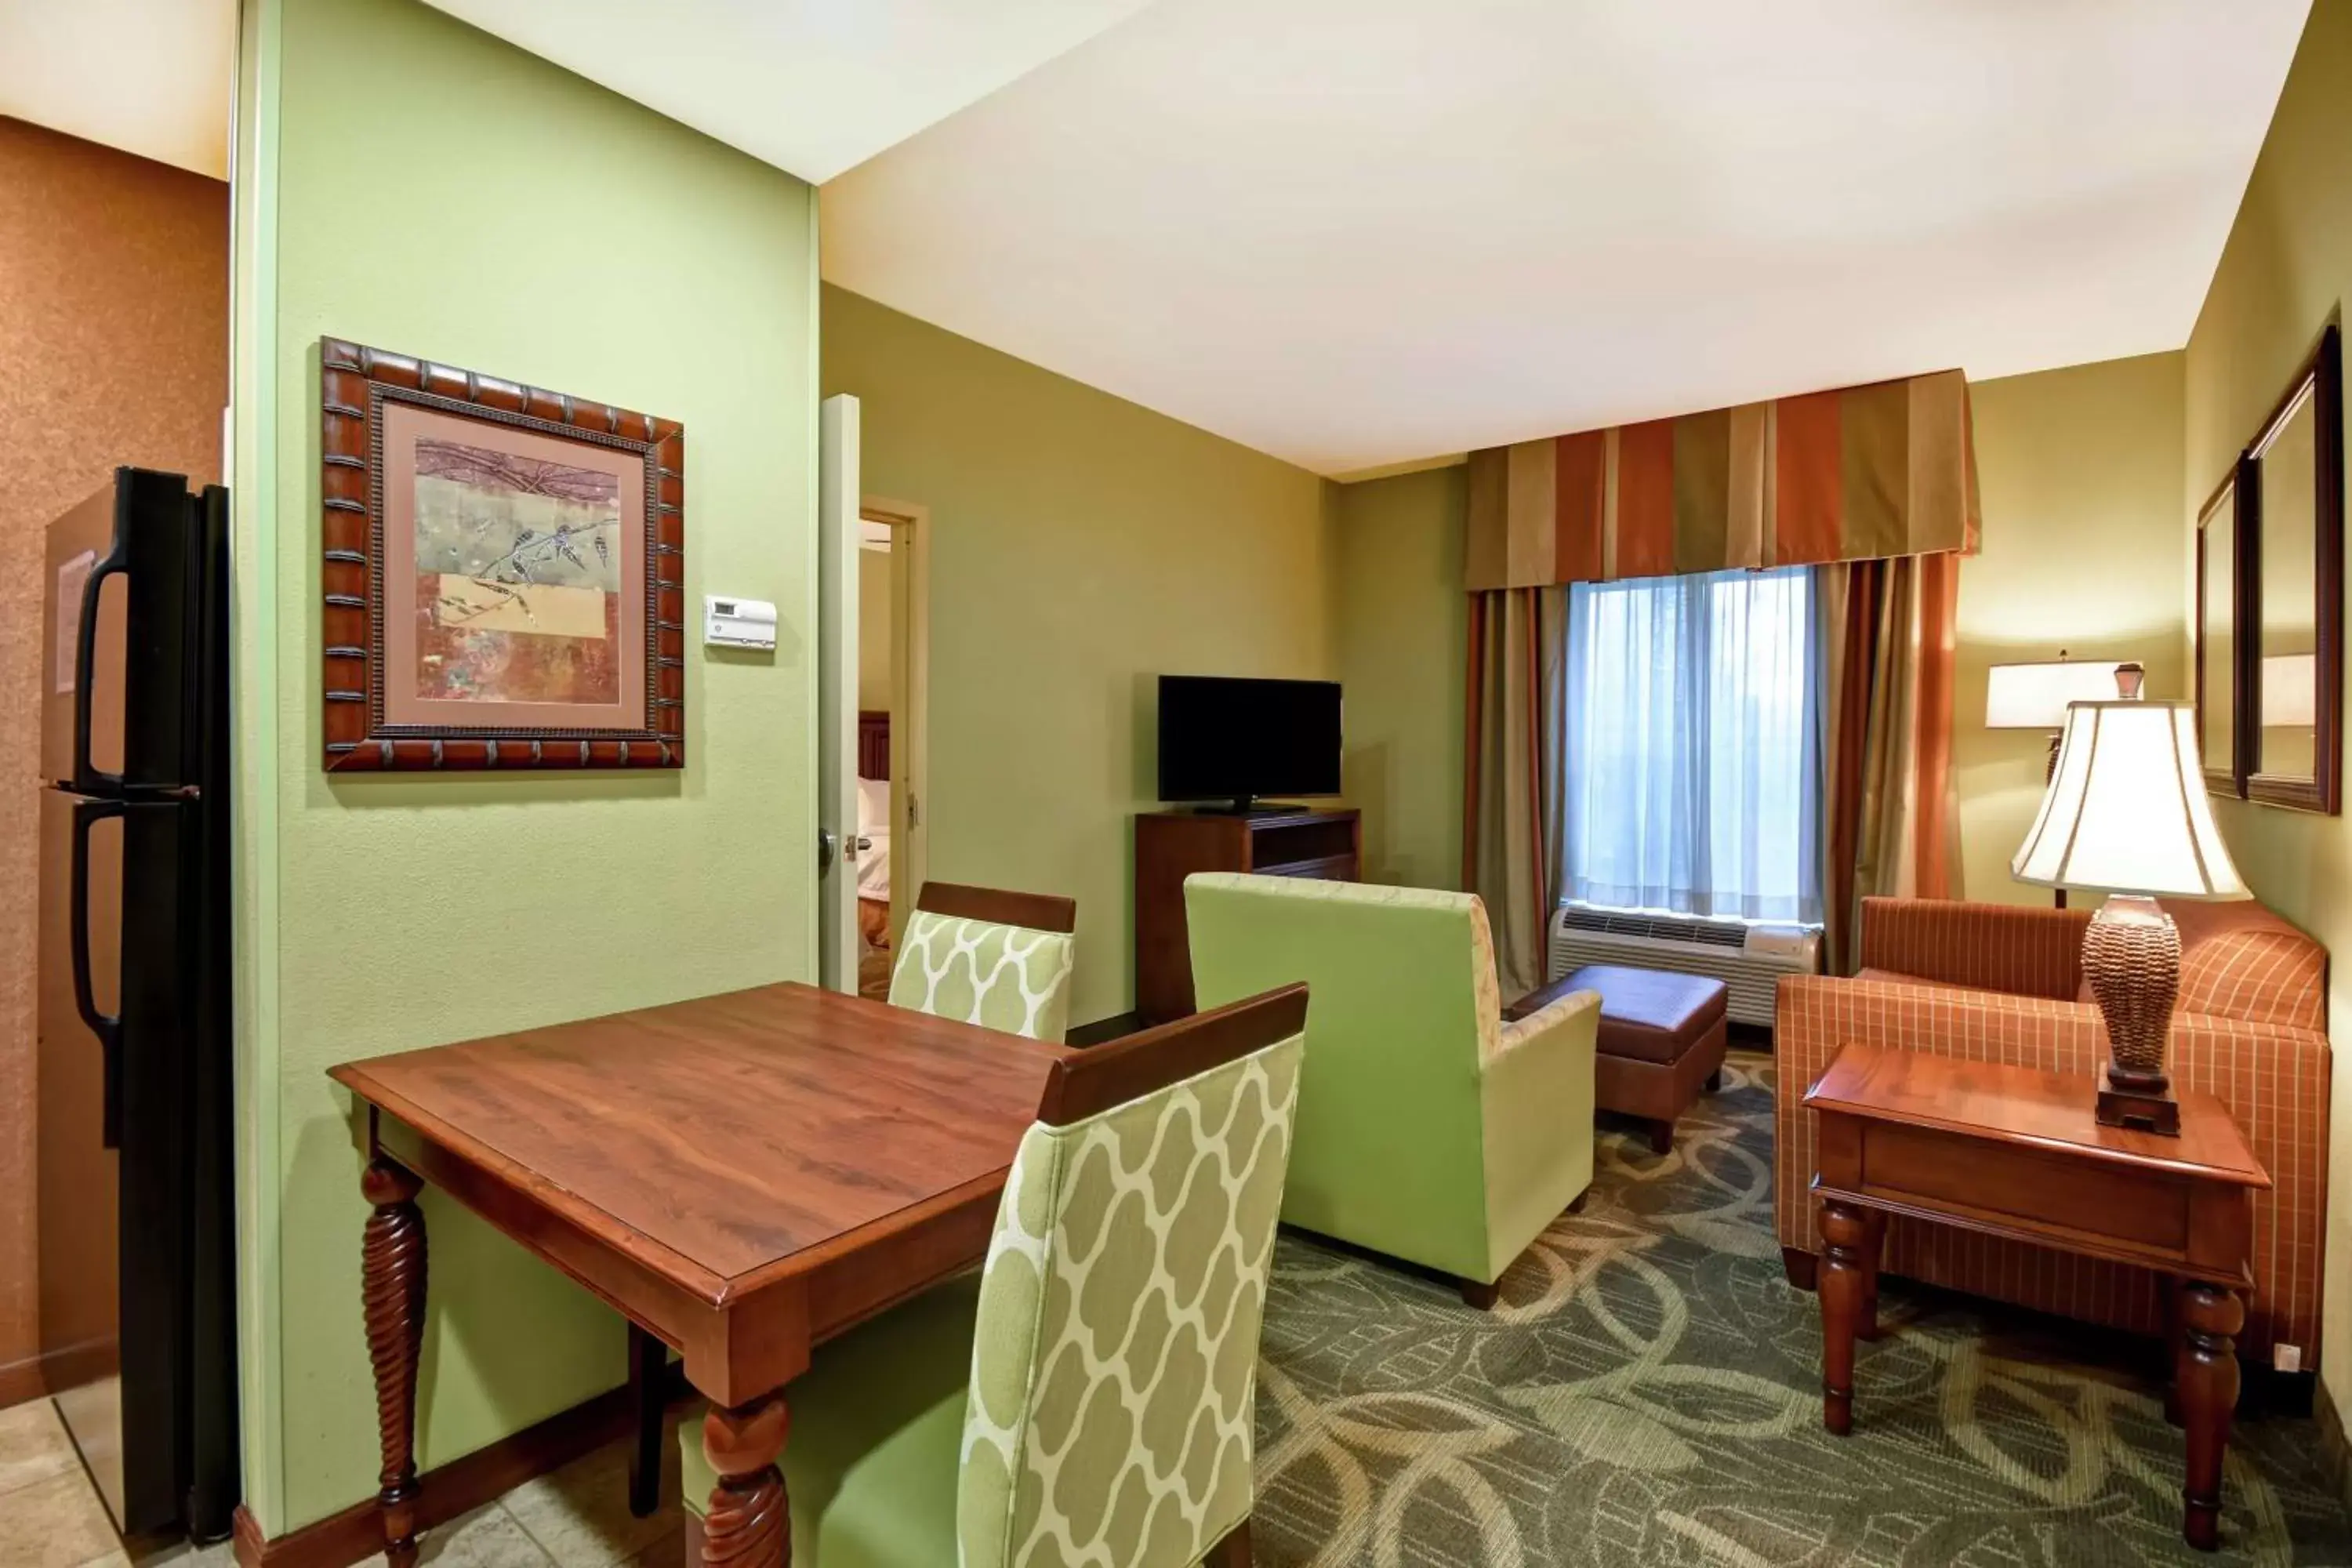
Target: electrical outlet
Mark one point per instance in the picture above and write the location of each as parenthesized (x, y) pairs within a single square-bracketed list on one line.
[(2288, 1358)]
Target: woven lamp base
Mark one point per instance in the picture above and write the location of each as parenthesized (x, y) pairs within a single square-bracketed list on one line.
[(2131, 956)]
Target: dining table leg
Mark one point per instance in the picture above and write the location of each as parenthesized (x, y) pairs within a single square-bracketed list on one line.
[(393, 1287), (749, 1521)]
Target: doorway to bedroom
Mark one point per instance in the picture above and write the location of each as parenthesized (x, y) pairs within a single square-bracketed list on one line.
[(893, 580)]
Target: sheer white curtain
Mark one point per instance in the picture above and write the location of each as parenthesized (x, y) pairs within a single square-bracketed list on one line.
[(1692, 754)]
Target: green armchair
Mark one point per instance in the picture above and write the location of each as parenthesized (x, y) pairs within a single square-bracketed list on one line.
[(992, 958), (1429, 1129)]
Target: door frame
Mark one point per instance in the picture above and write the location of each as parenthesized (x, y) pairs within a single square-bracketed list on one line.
[(909, 523)]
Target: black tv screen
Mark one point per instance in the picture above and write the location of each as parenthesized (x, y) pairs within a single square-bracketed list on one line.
[(1228, 740)]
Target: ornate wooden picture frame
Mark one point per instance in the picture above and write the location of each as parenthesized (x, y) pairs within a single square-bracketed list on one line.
[(503, 572), (2293, 659), (2223, 580)]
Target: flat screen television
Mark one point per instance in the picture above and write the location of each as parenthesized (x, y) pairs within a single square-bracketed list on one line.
[(1233, 741)]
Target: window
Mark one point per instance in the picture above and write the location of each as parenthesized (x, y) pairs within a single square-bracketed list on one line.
[(1692, 748)]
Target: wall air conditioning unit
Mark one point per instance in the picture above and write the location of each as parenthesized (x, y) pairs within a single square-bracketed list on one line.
[(1749, 959)]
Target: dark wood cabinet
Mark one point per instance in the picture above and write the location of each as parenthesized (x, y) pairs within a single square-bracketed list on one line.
[(1170, 846)]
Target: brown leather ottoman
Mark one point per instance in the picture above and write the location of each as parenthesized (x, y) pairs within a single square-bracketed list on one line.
[(1662, 1040)]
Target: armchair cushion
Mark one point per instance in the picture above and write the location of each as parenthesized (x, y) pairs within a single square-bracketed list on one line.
[(2241, 960), (2022, 950)]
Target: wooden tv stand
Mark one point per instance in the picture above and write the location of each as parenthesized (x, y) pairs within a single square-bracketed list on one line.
[(1170, 846)]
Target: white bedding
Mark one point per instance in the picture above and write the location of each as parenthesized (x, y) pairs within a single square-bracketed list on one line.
[(874, 825)]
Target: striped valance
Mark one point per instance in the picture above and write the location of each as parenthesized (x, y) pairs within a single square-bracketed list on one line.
[(1851, 474)]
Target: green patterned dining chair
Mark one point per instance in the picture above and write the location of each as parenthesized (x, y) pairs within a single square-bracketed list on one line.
[(979, 955), (1089, 1394), (988, 957)]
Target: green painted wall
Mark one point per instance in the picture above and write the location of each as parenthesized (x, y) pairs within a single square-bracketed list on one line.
[(1081, 546), (411, 183), (1404, 630), (2286, 269), (2079, 473)]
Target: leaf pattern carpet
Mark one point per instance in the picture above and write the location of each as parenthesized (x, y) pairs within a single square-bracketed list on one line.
[(1648, 1393)]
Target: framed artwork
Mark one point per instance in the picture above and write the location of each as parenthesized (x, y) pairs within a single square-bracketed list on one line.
[(502, 570)]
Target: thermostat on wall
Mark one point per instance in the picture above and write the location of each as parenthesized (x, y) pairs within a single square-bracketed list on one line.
[(738, 623)]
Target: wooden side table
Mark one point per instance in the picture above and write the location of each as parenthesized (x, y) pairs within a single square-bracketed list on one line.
[(2016, 1153)]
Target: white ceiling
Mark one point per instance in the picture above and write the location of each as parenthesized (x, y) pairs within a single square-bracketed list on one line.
[(811, 86), (151, 77), (1358, 233), (1354, 232)]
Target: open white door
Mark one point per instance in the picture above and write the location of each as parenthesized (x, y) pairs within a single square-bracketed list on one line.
[(836, 700)]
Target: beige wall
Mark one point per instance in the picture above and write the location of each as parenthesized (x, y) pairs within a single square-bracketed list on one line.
[(2079, 473), (114, 339), (1403, 626), (1081, 546), (2285, 270), (874, 640)]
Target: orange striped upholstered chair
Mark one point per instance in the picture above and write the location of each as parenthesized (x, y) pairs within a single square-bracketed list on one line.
[(1999, 983)]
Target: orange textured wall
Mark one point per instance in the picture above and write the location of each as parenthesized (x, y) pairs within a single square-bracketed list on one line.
[(113, 349)]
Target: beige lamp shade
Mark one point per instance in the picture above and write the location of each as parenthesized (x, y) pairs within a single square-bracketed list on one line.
[(2035, 696), (2126, 811)]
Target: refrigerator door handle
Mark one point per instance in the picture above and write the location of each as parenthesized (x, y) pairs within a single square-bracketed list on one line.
[(107, 1027), (117, 562)]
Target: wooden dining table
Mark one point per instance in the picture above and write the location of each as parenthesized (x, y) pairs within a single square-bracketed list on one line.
[(742, 1176)]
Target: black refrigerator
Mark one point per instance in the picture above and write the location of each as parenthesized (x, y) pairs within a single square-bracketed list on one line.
[(134, 1114)]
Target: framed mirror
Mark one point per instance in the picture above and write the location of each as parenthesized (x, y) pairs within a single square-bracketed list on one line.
[(2220, 670), (2293, 541)]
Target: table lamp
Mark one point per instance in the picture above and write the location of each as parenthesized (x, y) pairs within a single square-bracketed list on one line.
[(2125, 815), (2034, 695)]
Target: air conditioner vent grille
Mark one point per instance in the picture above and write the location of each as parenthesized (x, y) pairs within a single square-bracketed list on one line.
[(1750, 961), (1658, 928)]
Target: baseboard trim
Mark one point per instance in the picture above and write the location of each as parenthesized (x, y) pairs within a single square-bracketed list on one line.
[(53, 1370), (21, 1382), (446, 1491)]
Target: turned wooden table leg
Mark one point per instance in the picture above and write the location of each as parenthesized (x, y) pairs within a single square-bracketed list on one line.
[(393, 1271), (1848, 1260), (2211, 1319), (1875, 1242), (748, 1523)]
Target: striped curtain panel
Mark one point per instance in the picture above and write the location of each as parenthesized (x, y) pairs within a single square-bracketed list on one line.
[(1862, 473), (1512, 783), (1887, 632)]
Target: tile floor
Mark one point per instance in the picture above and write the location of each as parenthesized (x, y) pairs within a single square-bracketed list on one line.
[(577, 1518)]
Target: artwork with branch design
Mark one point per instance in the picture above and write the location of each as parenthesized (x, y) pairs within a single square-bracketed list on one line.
[(518, 584)]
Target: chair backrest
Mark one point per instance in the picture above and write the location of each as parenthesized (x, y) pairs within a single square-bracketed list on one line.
[(1001, 960), (1390, 1134), (1113, 1399)]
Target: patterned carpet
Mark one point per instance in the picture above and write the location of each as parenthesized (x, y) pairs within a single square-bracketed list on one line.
[(1648, 1394)]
